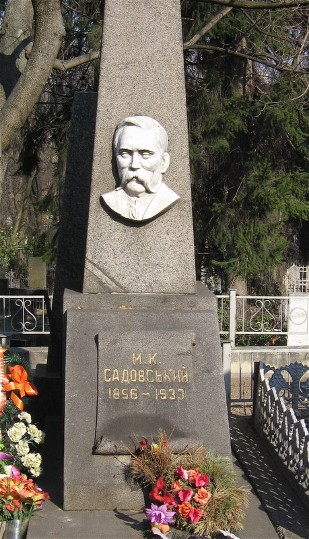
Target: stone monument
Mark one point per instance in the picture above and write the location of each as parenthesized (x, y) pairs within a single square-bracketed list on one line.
[(142, 347), (36, 272)]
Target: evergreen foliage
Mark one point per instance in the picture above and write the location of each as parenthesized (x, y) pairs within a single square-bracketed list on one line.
[(248, 131), (248, 145)]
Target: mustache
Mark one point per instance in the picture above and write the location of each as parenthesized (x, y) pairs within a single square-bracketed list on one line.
[(140, 175)]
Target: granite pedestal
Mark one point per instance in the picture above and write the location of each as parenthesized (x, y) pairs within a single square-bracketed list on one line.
[(134, 364)]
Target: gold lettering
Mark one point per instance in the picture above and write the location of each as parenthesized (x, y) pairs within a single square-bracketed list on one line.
[(125, 393), (137, 358), (181, 394), (115, 377), (176, 375), (141, 376), (158, 376), (133, 375), (166, 377), (125, 377), (149, 375), (185, 375), (152, 358), (106, 373), (169, 394)]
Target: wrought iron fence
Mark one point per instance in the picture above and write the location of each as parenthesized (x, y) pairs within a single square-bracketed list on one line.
[(24, 314), (282, 425)]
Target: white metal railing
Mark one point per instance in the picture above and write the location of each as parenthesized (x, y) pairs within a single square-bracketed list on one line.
[(271, 316), (24, 314)]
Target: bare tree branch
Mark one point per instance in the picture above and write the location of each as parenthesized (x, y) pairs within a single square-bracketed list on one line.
[(206, 28), (297, 58), (259, 58), (64, 65), (264, 32), (259, 4)]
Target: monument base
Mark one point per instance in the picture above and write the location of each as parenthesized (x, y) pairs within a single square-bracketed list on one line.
[(136, 363)]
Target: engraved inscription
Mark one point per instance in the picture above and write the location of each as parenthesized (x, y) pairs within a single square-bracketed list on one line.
[(145, 381), (170, 378)]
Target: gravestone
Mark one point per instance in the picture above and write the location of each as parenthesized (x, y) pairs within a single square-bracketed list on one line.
[(141, 339), (298, 319), (36, 272)]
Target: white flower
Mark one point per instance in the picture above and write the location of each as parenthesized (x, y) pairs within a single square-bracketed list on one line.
[(36, 434), (32, 461), (35, 471), (22, 448), (16, 432), (24, 416)]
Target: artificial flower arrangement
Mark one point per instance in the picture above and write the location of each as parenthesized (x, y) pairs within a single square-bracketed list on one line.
[(19, 497), (20, 461), (194, 491)]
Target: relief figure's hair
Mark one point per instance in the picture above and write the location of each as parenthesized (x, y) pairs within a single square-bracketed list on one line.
[(144, 122)]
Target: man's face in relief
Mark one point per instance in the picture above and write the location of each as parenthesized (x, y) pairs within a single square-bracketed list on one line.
[(140, 161)]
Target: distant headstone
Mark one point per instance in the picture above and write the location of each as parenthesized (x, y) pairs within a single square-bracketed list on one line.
[(36, 272), (141, 339), (298, 319), (73, 218)]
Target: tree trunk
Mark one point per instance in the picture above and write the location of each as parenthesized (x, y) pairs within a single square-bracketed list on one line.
[(49, 31), (17, 36), (243, 83)]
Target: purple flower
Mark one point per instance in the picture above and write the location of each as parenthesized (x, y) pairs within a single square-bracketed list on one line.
[(4, 456), (160, 514)]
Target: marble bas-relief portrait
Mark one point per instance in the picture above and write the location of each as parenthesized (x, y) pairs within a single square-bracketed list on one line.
[(140, 147)]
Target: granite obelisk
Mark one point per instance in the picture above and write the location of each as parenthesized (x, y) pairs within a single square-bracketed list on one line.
[(141, 73), (142, 342)]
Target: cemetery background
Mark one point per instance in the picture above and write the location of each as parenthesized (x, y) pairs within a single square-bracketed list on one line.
[(239, 108)]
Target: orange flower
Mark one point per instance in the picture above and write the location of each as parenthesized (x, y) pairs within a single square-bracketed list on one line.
[(176, 486), (184, 509), (192, 474), (164, 528), (202, 496)]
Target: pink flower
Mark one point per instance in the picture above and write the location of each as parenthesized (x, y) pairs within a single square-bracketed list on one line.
[(202, 480), (183, 474), (195, 514), (15, 472), (185, 494)]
